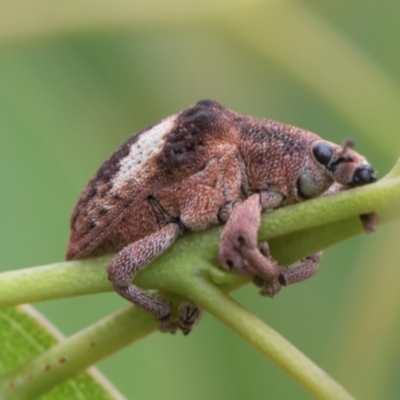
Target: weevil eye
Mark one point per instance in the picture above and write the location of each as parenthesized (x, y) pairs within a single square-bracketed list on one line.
[(323, 152)]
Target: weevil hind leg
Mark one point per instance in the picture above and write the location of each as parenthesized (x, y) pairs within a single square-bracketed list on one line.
[(136, 256)]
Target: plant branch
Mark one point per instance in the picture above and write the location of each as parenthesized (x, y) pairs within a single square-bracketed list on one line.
[(293, 232), (266, 340), (98, 341), (187, 269)]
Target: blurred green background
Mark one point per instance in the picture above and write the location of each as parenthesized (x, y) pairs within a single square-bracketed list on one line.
[(77, 79)]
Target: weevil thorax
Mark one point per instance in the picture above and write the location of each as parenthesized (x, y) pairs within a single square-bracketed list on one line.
[(297, 163)]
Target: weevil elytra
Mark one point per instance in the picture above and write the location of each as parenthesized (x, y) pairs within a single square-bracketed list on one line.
[(204, 166)]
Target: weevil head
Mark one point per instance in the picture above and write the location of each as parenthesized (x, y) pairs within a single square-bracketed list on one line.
[(346, 166), (330, 163)]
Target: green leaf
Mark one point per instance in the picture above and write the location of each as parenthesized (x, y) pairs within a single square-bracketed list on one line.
[(24, 333)]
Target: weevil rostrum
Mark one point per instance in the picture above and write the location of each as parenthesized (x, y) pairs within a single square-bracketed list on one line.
[(205, 166)]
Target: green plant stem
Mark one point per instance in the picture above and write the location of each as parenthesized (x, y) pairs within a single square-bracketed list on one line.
[(267, 341), (377, 197), (76, 353), (293, 232), (52, 281), (187, 269), (98, 341)]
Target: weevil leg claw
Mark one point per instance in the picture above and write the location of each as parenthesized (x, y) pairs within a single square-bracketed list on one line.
[(189, 316), (268, 288)]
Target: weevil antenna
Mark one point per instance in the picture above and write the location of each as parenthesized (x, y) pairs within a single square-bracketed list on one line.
[(347, 144)]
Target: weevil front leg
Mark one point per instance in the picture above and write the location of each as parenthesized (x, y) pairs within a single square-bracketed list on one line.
[(136, 256), (307, 267), (239, 251), (369, 222)]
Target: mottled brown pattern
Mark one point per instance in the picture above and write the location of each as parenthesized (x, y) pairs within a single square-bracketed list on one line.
[(95, 214), (193, 170), (100, 183)]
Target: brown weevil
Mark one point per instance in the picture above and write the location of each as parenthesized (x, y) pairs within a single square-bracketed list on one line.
[(205, 166)]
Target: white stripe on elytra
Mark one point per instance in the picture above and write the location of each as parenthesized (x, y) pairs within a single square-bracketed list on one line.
[(147, 147)]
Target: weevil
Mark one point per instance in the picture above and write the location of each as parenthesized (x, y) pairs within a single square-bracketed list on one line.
[(205, 166)]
